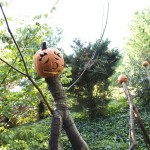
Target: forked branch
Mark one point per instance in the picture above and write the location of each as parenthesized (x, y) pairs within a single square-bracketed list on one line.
[(24, 63)]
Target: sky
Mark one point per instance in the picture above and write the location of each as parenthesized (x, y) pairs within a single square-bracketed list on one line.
[(84, 18)]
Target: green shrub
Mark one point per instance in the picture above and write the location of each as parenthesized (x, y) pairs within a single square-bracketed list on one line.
[(143, 90), (100, 134)]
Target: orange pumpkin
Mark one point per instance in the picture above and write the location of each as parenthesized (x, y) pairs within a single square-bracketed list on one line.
[(145, 63), (48, 62), (122, 78)]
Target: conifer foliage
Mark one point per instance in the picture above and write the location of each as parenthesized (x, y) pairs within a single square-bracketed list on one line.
[(92, 88)]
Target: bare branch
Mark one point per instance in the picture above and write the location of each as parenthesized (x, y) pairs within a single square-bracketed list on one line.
[(6, 76), (39, 90), (9, 71), (25, 74), (25, 66), (35, 85), (13, 67), (93, 55), (102, 34)]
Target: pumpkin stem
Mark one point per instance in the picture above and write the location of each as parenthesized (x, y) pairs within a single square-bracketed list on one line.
[(43, 46)]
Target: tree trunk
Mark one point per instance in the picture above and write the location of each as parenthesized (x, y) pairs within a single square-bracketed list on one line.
[(62, 118)]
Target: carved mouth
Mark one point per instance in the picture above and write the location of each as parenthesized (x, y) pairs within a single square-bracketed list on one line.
[(56, 66), (49, 71)]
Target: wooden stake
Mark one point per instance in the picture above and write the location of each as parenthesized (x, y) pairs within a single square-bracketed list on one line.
[(62, 119), (148, 74), (132, 129), (137, 117)]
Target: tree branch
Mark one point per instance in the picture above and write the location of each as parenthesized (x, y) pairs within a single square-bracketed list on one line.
[(9, 70), (42, 95), (25, 66), (34, 84), (93, 55), (13, 67), (24, 63)]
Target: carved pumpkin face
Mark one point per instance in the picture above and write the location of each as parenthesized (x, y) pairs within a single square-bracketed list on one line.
[(145, 63), (122, 78), (48, 62)]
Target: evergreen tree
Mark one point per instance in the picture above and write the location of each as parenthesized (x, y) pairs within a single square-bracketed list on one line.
[(92, 88)]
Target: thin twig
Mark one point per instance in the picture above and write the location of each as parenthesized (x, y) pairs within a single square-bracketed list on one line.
[(6, 76), (102, 34), (25, 74), (16, 114), (9, 71), (25, 66), (35, 85), (13, 67), (42, 95), (93, 55)]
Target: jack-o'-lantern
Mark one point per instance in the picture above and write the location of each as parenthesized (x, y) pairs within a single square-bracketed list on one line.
[(48, 62), (122, 78), (145, 63)]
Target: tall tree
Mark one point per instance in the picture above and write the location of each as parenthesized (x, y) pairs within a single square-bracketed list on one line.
[(139, 41), (137, 51), (92, 88)]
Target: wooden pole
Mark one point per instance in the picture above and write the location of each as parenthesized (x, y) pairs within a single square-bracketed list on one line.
[(137, 115), (140, 123), (132, 129), (148, 74), (62, 118)]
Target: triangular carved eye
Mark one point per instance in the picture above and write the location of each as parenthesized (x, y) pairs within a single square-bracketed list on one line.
[(58, 54), (47, 61), (55, 53), (56, 58), (42, 55)]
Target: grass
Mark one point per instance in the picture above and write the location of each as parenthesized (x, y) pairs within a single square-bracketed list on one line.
[(109, 133)]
